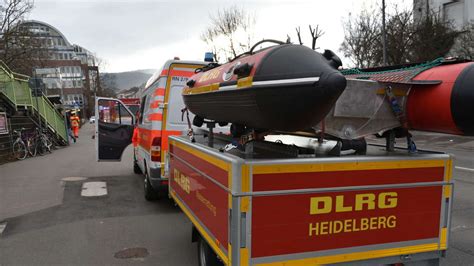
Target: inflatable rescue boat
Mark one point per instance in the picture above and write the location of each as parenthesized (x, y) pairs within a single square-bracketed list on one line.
[(284, 87), (435, 96)]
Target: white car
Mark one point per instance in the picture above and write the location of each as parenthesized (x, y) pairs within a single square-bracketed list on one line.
[(92, 120)]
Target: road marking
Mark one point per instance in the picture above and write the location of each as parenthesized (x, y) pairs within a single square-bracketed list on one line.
[(2, 227), (94, 189), (73, 178), (464, 169)]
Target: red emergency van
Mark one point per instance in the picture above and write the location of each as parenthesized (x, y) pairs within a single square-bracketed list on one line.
[(157, 120)]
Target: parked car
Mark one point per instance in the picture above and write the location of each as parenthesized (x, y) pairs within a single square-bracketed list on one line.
[(92, 120)]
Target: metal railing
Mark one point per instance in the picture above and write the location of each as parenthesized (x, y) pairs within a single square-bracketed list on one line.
[(15, 88)]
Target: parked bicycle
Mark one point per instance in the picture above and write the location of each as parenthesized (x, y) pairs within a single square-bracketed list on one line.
[(39, 143), (19, 146)]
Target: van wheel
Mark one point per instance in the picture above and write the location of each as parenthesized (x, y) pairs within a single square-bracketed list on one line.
[(207, 256), (136, 168), (150, 193)]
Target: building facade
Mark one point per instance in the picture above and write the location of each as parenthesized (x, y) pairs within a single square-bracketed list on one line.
[(458, 12), (65, 68)]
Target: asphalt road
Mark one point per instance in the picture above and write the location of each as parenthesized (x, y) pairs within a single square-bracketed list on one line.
[(49, 222)]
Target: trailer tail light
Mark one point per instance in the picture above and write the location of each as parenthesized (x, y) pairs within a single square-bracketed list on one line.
[(155, 149)]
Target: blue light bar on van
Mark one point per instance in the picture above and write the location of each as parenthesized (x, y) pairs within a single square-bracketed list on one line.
[(209, 57)]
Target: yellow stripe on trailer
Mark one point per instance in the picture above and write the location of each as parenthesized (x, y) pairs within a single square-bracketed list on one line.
[(245, 187), (443, 240), (330, 167), (210, 240), (357, 256), (244, 256), (209, 158)]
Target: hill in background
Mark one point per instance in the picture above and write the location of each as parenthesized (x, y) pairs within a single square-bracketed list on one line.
[(126, 80)]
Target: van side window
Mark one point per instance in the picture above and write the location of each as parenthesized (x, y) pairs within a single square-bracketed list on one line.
[(147, 110), (142, 109)]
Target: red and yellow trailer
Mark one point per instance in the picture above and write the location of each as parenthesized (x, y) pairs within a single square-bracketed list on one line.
[(378, 208)]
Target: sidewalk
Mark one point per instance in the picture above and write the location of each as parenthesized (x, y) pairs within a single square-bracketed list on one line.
[(35, 183)]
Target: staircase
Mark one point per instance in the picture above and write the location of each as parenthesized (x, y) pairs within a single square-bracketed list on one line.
[(15, 91)]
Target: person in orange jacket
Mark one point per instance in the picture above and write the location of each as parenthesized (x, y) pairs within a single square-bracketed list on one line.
[(75, 125)]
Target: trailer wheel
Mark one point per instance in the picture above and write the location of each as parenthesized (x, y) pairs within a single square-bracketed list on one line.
[(207, 256)]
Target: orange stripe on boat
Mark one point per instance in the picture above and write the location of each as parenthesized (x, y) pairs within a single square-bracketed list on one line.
[(164, 72), (159, 92), (155, 117)]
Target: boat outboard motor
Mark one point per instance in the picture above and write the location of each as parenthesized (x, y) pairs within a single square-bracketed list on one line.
[(332, 58)]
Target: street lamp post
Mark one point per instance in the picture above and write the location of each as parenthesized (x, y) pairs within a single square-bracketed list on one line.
[(384, 35)]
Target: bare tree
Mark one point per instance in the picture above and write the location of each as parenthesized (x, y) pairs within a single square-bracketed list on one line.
[(108, 85), (399, 37), (362, 39), (316, 33), (432, 38), (464, 46), (232, 26), (18, 48), (407, 40), (298, 32), (208, 36)]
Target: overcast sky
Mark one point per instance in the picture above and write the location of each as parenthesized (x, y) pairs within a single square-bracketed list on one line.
[(142, 34)]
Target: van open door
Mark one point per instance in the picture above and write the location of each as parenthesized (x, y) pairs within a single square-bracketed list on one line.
[(114, 124)]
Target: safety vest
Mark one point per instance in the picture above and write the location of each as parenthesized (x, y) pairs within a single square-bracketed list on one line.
[(74, 121)]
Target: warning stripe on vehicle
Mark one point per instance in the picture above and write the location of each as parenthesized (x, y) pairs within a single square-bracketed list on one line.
[(146, 136), (155, 104), (155, 117), (159, 92), (175, 72)]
